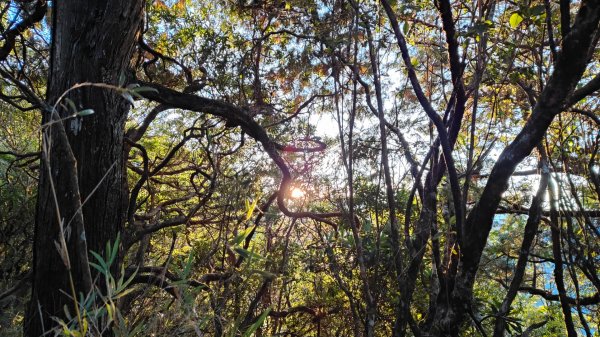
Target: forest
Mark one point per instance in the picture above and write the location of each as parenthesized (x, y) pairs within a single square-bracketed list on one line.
[(323, 168)]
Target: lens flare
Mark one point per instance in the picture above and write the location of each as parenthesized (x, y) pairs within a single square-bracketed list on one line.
[(296, 193)]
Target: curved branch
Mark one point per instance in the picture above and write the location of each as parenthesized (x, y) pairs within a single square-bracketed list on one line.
[(136, 134), (446, 140), (138, 186), (589, 88), (588, 114), (588, 300), (570, 66), (10, 36), (320, 147), (162, 278), (293, 310), (188, 73), (262, 210), (238, 117), (298, 110)]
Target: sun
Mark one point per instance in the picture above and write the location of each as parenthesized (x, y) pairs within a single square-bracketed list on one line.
[(296, 193)]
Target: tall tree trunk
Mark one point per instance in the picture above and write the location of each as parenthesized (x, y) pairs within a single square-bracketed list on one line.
[(92, 42), (557, 94)]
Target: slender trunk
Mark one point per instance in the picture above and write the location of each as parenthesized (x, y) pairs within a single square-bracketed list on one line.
[(555, 230), (84, 164), (531, 227), (389, 189)]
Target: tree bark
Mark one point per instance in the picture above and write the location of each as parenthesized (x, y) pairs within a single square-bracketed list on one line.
[(570, 66), (84, 163)]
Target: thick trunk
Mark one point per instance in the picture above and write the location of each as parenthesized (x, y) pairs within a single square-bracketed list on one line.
[(571, 63), (92, 42), (569, 68)]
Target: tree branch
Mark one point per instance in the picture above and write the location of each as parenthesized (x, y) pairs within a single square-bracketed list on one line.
[(9, 37), (239, 117), (570, 66)]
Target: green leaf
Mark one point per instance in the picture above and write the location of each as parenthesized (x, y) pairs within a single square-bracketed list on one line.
[(246, 253), (114, 250), (71, 104), (242, 236), (537, 10), (85, 327), (128, 97), (259, 322), (145, 89), (250, 208), (101, 261), (123, 293), (138, 89), (122, 79), (109, 310), (123, 285), (97, 267), (86, 112), (515, 20), (367, 226), (188, 265), (265, 274)]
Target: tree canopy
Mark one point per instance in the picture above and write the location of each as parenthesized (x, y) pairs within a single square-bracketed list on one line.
[(300, 168)]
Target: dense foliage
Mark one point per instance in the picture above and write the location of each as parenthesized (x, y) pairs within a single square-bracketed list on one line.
[(307, 168)]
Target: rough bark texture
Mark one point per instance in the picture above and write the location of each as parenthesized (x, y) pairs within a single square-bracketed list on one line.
[(92, 42), (569, 68)]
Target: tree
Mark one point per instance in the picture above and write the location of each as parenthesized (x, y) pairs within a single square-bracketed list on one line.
[(82, 185), (185, 183)]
